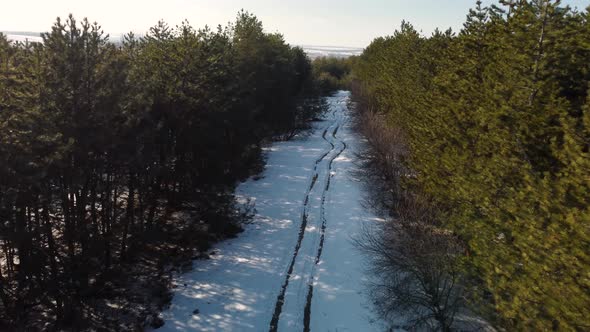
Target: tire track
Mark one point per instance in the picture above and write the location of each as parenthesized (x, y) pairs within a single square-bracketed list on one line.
[(307, 309), (304, 218)]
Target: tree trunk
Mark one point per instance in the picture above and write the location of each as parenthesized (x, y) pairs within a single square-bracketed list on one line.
[(129, 218)]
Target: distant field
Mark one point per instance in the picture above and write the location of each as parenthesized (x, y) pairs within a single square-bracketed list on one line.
[(23, 36), (311, 50), (331, 51)]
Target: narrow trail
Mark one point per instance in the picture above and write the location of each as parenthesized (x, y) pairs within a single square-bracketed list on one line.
[(307, 310), (313, 225), (304, 219), (294, 268)]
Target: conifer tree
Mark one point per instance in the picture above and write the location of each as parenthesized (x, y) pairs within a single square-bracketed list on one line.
[(497, 137), (99, 143)]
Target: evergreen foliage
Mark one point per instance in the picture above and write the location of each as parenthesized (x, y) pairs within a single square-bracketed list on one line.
[(497, 124), (99, 143), (332, 73)]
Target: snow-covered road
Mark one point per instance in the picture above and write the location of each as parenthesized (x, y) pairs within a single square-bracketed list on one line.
[(295, 267)]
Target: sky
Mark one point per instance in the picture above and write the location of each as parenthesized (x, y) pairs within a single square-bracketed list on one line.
[(352, 23)]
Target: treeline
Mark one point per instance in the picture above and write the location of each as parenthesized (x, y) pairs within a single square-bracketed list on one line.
[(100, 143), (332, 73), (494, 125)]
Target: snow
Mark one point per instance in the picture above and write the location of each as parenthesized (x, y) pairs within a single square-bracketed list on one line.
[(311, 50), (331, 51), (24, 38), (307, 181)]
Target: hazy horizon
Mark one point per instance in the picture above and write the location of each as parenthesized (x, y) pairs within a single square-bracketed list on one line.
[(304, 22), (313, 51)]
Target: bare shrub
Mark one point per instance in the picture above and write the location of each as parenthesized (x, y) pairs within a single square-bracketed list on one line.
[(301, 117), (383, 163), (414, 262), (416, 265)]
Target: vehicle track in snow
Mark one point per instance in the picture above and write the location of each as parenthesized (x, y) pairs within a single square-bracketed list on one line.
[(307, 310), (311, 275), (313, 249)]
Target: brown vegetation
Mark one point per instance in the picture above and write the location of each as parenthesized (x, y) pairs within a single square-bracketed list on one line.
[(414, 261)]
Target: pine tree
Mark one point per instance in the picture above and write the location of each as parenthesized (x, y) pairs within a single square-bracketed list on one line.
[(496, 134)]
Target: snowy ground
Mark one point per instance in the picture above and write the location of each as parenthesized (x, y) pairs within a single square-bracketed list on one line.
[(331, 51), (312, 51), (295, 267), (24, 38)]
